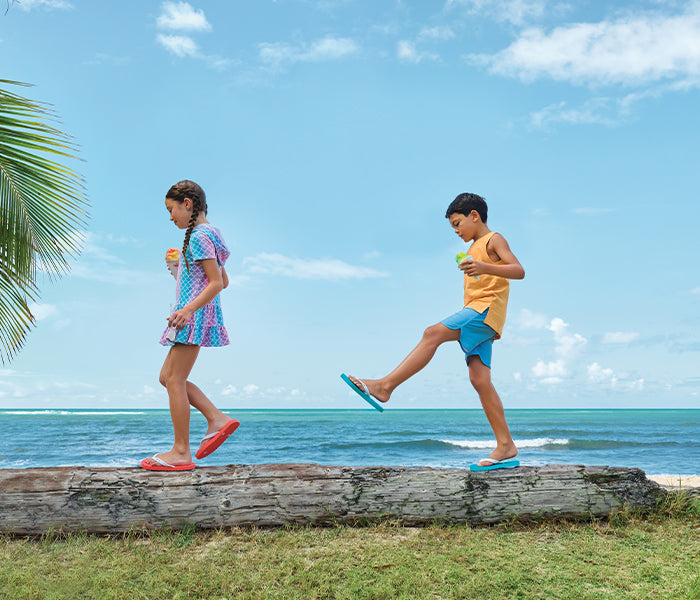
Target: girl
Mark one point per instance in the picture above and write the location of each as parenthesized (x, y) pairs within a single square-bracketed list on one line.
[(197, 321)]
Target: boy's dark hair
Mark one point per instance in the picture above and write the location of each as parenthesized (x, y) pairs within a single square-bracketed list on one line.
[(464, 204)]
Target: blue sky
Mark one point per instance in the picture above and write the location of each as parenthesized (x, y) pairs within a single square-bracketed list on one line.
[(330, 136)]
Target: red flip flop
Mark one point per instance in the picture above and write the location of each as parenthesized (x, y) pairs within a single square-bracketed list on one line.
[(212, 441), (163, 466)]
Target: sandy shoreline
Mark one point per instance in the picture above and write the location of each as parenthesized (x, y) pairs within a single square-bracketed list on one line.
[(676, 481)]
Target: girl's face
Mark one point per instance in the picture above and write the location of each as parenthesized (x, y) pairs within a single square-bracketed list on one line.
[(180, 212)]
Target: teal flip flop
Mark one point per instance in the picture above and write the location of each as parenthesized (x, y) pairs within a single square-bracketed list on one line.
[(507, 463), (364, 393)]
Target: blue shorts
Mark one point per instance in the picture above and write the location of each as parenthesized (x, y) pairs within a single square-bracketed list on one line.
[(476, 338)]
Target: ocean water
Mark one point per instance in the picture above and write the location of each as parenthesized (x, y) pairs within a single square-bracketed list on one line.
[(657, 441)]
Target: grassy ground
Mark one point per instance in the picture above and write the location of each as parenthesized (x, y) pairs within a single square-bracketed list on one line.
[(628, 557)]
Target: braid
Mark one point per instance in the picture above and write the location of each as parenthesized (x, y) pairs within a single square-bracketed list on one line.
[(189, 189), (188, 233)]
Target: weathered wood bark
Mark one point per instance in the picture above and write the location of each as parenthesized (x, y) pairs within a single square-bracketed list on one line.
[(107, 500)]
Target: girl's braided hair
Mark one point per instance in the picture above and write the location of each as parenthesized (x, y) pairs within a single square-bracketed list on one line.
[(189, 189)]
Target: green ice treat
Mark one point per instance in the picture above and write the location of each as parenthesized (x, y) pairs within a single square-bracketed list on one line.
[(463, 256)]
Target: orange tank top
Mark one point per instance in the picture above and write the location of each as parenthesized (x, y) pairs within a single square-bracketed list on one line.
[(489, 291)]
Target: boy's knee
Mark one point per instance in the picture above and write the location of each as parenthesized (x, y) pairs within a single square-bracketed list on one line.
[(434, 334), (479, 375), (163, 380)]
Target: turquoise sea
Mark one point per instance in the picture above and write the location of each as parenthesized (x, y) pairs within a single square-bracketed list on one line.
[(657, 441)]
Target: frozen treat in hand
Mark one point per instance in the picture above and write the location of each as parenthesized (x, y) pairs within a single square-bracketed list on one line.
[(172, 259), (464, 256)]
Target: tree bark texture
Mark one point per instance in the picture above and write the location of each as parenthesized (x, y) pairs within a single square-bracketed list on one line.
[(113, 500)]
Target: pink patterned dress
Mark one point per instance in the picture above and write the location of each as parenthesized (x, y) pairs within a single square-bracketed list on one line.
[(206, 327)]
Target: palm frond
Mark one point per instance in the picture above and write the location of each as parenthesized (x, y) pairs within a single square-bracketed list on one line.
[(43, 208)]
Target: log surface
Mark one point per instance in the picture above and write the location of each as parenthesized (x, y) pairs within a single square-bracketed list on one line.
[(113, 500)]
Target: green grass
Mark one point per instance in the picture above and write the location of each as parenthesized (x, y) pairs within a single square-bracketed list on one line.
[(626, 557)]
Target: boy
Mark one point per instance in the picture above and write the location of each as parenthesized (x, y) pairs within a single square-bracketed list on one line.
[(486, 273)]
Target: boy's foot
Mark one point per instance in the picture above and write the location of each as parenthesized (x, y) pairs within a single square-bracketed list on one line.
[(360, 388), (490, 464), (374, 388), (499, 455)]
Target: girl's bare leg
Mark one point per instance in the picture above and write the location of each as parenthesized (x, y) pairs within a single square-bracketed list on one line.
[(215, 418), (196, 398), (480, 376), (419, 357), (176, 369)]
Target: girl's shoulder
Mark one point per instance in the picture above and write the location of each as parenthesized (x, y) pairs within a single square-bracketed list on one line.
[(208, 233)]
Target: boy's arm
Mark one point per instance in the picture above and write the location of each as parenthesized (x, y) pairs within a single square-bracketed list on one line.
[(511, 267)]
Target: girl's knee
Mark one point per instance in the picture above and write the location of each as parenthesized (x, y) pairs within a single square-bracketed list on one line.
[(163, 380)]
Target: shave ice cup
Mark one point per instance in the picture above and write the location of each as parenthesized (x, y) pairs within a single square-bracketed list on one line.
[(464, 256), (172, 260)]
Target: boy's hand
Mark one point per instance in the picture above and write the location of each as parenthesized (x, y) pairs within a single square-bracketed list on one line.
[(471, 267)]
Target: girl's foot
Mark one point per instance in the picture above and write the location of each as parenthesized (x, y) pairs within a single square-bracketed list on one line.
[(375, 386), (173, 458), (215, 438)]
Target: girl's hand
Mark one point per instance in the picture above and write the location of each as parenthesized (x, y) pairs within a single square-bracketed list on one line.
[(180, 318)]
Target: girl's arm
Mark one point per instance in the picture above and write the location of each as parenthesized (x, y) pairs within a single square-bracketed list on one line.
[(224, 277), (498, 246), (216, 283)]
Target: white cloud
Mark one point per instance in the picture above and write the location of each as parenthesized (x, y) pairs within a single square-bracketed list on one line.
[(516, 12), (606, 376), (598, 374), (528, 319), (323, 268), (98, 263), (179, 45), (251, 388), (596, 111), (28, 5), (620, 337), (592, 211), (632, 50), (228, 390), (568, 345), (408, 52), (436, 33), (695, 291), (328, 48), (553, 369), (182, 16), (42, 311)]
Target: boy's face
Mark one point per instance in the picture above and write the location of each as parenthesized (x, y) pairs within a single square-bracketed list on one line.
[(465, 226)]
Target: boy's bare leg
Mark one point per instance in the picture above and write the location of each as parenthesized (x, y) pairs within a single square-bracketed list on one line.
[(419, 357), (480, 376)]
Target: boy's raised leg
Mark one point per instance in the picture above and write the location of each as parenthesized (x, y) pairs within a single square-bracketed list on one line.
[(480, 377), (419, 357)]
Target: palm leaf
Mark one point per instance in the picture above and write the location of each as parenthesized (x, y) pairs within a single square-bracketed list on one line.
[(42, 209)]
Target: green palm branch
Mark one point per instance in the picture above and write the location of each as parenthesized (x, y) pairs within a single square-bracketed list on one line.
[(42, 210)]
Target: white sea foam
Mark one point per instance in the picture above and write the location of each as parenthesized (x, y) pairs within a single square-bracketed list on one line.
[(70, 412), (486, 444)]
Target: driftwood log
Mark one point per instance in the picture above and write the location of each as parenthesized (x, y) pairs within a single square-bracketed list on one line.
[(109, 500)]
